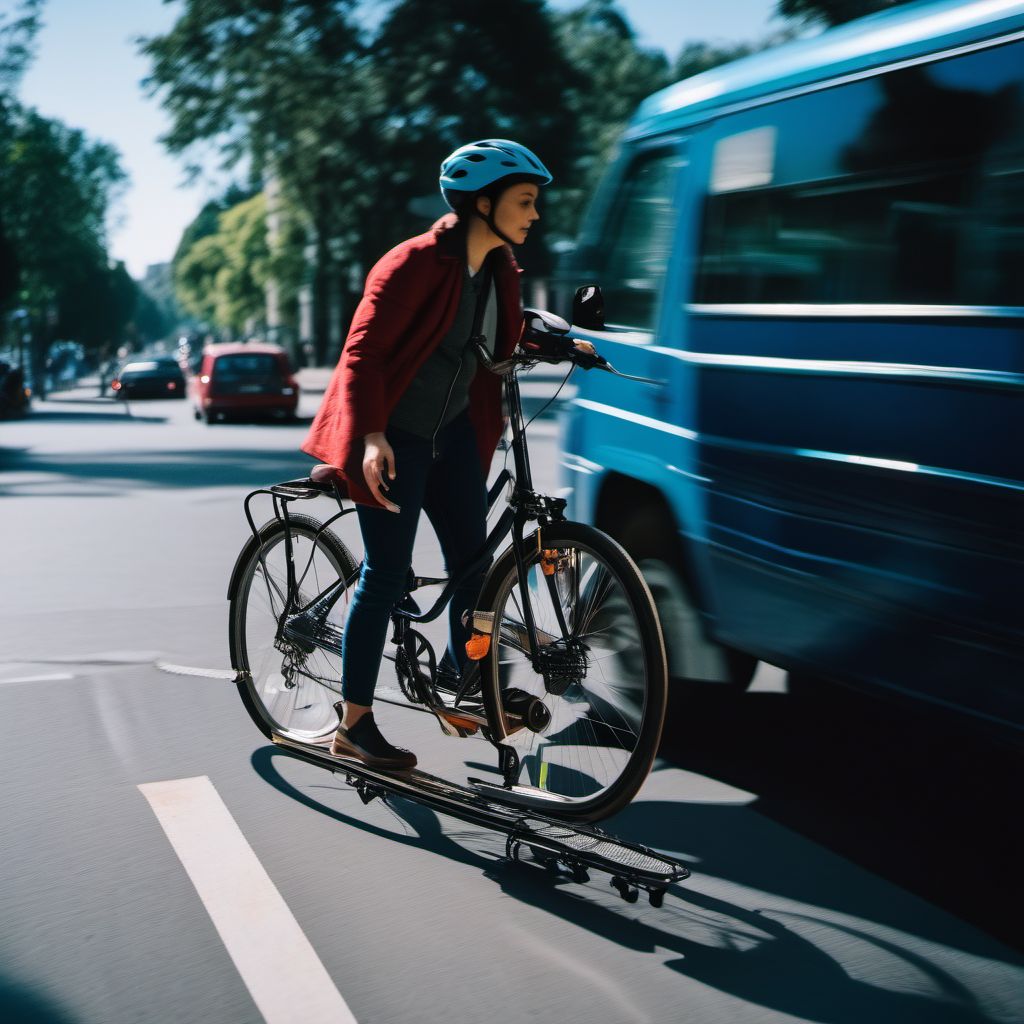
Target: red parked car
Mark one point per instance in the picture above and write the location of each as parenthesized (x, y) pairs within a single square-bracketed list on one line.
[(244, 380)]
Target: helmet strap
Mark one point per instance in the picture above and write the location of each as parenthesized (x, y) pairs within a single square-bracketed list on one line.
[(488, 219)]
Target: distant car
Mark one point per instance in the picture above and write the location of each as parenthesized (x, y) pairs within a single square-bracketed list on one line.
[(14, 393), (160, 377), (244, 380)]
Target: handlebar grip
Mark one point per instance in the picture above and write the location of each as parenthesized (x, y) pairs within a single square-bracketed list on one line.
[(586, 361)]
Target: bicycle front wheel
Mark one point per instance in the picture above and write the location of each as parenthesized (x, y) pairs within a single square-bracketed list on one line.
[(288, 687), (599, 670)]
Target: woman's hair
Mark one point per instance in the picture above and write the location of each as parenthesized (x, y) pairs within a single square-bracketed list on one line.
[(464, 203)]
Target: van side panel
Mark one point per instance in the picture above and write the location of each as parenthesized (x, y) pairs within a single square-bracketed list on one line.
[(841, 337), (866, 520)]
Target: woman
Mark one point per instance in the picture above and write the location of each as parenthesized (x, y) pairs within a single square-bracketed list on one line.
[(410, 420)]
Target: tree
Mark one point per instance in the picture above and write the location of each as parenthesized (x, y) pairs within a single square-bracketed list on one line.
[(96, 306), (222, 276), (18, 31), (285, 84), (56, 186), (613, 74), (448, 72), (833, 12), (207, 221)]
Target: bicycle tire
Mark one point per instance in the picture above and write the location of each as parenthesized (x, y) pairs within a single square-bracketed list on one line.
[(598, 747), (273, 675)]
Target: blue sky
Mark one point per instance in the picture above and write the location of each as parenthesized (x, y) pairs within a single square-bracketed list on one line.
[(87, 74)]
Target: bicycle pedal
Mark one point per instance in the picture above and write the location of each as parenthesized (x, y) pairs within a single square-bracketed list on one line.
[(458, 723)]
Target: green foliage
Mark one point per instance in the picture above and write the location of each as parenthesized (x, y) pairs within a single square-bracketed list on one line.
[(695, 58), (276, 82), (221, 278), (18, 30), (449, 71), (97, 305), (833, 12), (56, 186), (285, 84), (348, 126), (611, 76), (207, 221)]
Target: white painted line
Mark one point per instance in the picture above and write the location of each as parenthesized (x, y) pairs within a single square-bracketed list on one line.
[(285, 977), (50, 677), (192, 670)]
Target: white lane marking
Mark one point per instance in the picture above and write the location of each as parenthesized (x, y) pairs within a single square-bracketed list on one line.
[(191, 670), (50, 677), (279, 966)]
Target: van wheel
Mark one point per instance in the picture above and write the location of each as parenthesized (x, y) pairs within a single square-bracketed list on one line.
[(693, 656)]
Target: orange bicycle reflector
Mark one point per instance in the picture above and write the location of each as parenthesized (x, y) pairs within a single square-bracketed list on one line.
[(477, 646), (551, 561)]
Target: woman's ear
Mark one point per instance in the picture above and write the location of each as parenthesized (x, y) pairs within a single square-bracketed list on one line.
[(483, 205)]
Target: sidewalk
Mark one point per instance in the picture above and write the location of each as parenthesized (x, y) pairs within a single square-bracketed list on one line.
[(313, 379)]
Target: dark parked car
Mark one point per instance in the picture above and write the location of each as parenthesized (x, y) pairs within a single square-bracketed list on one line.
[(14, 394), (160, 377), (249, 380)]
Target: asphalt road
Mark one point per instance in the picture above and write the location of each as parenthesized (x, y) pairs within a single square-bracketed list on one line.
[(853, 861)]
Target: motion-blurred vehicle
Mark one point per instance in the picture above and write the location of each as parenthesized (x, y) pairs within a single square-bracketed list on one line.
[(159, 377), (819, 249), (15, 395), (247, 380)]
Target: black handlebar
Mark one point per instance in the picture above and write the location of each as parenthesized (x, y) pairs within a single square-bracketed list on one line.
[(547, 339)]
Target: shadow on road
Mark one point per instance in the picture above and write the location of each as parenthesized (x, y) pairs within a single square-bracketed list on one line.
[(920, 798), (20, 1005), (108, 415), (134, 469), (427, 831), (765, 958), (761, 957)]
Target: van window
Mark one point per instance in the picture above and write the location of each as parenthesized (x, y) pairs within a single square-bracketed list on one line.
[(904, 188), (638, 240)]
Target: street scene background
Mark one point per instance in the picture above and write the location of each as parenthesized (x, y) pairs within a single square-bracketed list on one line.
[(853, 857)]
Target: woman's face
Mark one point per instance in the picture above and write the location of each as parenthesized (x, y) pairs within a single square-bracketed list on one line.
[(516, 211)]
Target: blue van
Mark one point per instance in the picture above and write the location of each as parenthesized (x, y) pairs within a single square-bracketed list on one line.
[(819, 253)]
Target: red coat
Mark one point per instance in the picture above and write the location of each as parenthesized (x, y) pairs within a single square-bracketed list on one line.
[(408, 306)]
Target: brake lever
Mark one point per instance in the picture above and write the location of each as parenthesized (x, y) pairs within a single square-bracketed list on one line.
[(629, 376)]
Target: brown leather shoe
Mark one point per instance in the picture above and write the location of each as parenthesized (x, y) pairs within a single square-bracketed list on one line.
[(364, 742)]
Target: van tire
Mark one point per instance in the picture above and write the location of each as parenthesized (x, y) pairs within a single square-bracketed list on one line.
[(653, 544)]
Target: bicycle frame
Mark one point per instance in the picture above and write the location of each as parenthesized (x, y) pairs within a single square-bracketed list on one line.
[(524, 506)]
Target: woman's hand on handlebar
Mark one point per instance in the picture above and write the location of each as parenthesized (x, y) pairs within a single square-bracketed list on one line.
[(378, 458)]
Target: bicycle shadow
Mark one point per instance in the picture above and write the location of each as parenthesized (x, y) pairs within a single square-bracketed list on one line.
[(757, 956), (428, 833)]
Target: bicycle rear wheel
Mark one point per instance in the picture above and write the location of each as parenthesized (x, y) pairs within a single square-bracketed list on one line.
[(603, 676), (288, 688)]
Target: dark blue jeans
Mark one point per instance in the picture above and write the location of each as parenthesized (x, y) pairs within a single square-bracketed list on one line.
[(452, 490)]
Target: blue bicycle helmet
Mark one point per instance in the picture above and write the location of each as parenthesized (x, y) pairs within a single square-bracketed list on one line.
[(482, 168), (475, 166)]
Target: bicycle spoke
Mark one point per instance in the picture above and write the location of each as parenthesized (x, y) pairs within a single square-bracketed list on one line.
[(296, 687), (579, 605)]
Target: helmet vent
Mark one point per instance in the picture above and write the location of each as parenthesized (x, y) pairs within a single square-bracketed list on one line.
[(460, 173), (477, 158), (508, 163)]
